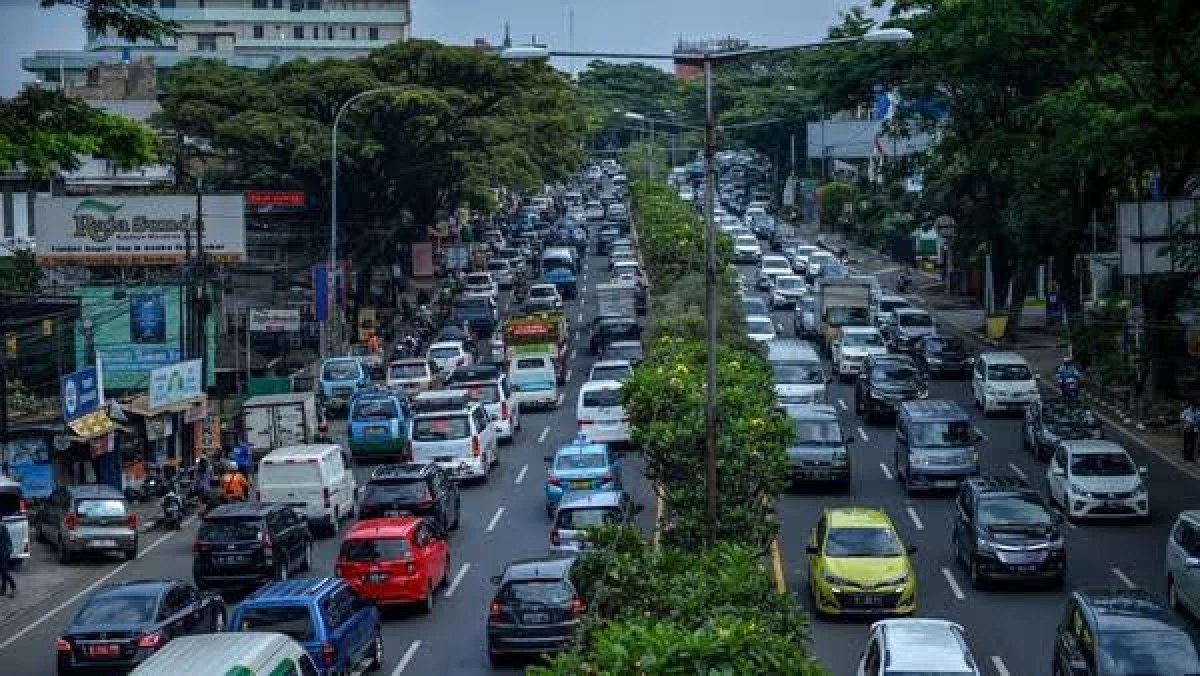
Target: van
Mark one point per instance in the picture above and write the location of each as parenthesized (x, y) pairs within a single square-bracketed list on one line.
[(377, 423), (314, 479), (15, 517), (412, 375), (451, 430), (600, 415), (534, 380), (340, 378), (247, 653), (796, 367), (936, 445)]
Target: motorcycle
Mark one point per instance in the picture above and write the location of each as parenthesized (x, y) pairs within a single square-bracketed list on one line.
[(173, 509)]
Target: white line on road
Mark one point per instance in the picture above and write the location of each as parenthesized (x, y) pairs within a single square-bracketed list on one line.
[(542, 436), (560, 399), (886, 472), (1123, 578), (573, 354), (842, 403), (462, 572), (953, 584), (999, 665), (916, 519), (581, 315), (568, 375), (495, 519), (863, 433), (83, 592), (521, 474), (1017, 470), (406, 658)]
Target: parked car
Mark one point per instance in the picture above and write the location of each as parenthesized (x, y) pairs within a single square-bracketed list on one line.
[(87, 518), (242, 545), (1183, 563), (421, 489), (396, 560)]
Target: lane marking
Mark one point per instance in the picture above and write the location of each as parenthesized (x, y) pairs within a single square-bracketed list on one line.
[(1018, 471), (569, 375), (581, 315), (542, 436), (887, 472), (406, 658), (574, 353), (1123, 578), (912, 514), (999, 665), (953, 584), (462, 572), (495, 519), (863, 433), (83, 592), (521, 474), (560, 399), (842, 403)]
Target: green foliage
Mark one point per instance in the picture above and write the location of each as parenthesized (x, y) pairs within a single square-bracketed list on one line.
[(20, 272), (124, 18), (836, 199), (629, 87)]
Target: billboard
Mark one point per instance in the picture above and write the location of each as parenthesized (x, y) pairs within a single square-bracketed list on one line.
[(274, 321), (137, 230), (80, 394), (175, 384), (134, 330)]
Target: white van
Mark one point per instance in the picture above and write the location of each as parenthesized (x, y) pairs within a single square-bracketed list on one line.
[(600, 415), (451, 430), (14, 517), (314, 479), (245, 653), (534, 380)]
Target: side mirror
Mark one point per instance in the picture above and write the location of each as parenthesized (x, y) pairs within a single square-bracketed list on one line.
[(1059, 472), (812, 549), (1143, 471), (495, 579), (911, 549)]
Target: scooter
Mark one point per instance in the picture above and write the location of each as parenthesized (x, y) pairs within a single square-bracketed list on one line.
[(173, 509)]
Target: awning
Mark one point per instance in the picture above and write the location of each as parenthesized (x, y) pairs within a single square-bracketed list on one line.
[(92, 425), (140, 406)]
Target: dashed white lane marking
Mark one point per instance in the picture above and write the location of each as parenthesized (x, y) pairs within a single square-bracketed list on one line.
[(406, 658), (573, 354), (560, 399), (886, 472), (999, 665), (1017, 470), (1123, 578), (568, 375), (842, 403), (957, 591), (462, 572), (912, 514), (542, 436), (863, 433), (581, 315), (495, 519), (521, 474)]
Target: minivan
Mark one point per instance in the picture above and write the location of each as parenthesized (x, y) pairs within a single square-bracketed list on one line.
[(534, 381), (796, 367), (1003, 381), (450, 429), (600, 415), (819, 452), (312, 478), (340, 378), (936, 445), (488, 385), (413, 375), (247, 653)]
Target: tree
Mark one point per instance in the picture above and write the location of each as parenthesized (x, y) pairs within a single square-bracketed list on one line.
[(128, 19), (20, 272)]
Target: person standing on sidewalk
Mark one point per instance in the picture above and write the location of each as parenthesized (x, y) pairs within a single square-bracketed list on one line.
[(7, 583), (1191, 429)]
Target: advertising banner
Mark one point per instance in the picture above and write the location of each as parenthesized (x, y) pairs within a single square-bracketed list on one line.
[(175, 384), (80, 394), (130, 230), (321, 292), (274, 321), (274, 201)]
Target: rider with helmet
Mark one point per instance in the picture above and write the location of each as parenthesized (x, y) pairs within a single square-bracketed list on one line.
[(1068, 372)]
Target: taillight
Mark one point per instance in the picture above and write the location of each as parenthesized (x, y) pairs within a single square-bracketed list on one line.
[(608, 478), (131, 521), (22, 507), (267, 544), (71, 521), (410, 568), (476, 449), (329, 654), (503, 412), (625, 419), (578, 607), (325, 497), (63, 646), (584, 423), (554, 539), (553, 480), (495, 611), (197, 546), (151, 640)]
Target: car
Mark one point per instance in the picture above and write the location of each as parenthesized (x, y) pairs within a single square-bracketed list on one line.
[(578, 512), (788, 289), (883, 307), (396, 560), (754, 305), (593, 211), (580, 466), (769, 268), (373, 361), (1048, 421), (244, 544), (917, 645), (623, 350), (746, 249), (120, 625), (535, 610), (489, 385), (547, 293), (1183, 563), (448, 355), (610, 329), (761, 328), (421, 489), (502, 271), (412, 375), (858, 565), (851, 349), (1125, 629), (615, 369), (339, 629), (1096, 479), (481, 283), (804, 321), (243, 653), (908, 325), (797, 372), (605, 239), (87, 518), (816, 262), (936, 445), (600, 415), (887, 380), (454, 431), (377, 424), (819, 452), (1004, 530), (940, 356), (616, 212), (1003, 381)]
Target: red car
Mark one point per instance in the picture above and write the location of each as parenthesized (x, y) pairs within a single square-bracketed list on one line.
[(395, 560)]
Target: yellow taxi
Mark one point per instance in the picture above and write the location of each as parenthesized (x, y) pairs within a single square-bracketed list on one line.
[(857, 564)]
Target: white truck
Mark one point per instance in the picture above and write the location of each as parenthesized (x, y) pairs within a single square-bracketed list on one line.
[(616, 299), (844, 301), (278, 420)]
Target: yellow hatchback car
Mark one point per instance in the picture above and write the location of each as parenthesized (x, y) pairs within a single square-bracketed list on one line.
[(857, 565)]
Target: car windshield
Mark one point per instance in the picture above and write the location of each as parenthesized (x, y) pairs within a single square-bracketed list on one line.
[(747, 241), (1148, 653), (413, 490), (441, 428), (88, 509), (484, 393), (1067, 413), (1102, 464), (540, 592), (374, 409), (914, 319), (444, 353), (570, 461), (759, 326), (532, 363), (367, 551), (818, 432), (942, 344), (114, 609), (754, 306), (611, 372), (1013, 510), (1009, 372), (229, 530), (789, 283), (890, 305), (629, 352), (543, 292), (844, 543), (601, 398), (498, 266), (862, 340), (588, 517), (893, 371), (797, 373), (345, 369), (294, 621), (941, 434), (407, 371)]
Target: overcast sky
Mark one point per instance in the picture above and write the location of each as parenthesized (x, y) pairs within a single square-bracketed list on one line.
[(613, 25)]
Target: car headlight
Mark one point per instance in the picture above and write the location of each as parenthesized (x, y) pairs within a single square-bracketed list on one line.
[(839, 581), (1057, 543), (893, 581), (984, 545)]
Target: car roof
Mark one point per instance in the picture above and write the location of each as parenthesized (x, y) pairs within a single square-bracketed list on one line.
[(95, 491), (859, 329), (824, 412), (892, 299), (475, 373), (625, 343), (1126, 610), (242, 510), (910, 311), (538, 568), (934, 410), (581, 449), (222, 653), (447, 343), (301, 451), (919, 645), (152, 588), (1003, 358), (778, 277), (299, 589), (612, 363), (587, 499), (857, 517), (595, 385), (389, 527), (761, 318), (404, 470), (1091, 446)]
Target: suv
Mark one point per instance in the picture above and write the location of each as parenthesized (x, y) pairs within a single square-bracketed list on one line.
[(1003, 381), (87, 518), (818, 453), (1005, 531), (885, 381), (536, 609), (852, 347), (913, 645), (906, 327), (414, 488), (450, 429), (1126, 627), (488, 385), (242, 545), (339, 629)]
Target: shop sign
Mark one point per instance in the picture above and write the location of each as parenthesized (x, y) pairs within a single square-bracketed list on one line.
[(208, 434), (274, 321), (260, 199), (159, 427), (175, 384), (80, 394)]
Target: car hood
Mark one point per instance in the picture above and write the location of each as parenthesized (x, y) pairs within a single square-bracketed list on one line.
[(1107, 484), (868, 571), (1072, 430), (862, 351)]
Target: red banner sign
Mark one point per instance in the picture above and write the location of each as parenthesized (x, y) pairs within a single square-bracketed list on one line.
[(275, 198)]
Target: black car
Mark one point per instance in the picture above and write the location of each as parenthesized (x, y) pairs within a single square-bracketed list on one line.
[(608, 234), (630, 350), (608, 329), (533, 305), (942, 357), (1120, 631), (885, 381), (1048, 421), (121, 625), (242, 545), (422, 489), (536, 609), (1005, 531)]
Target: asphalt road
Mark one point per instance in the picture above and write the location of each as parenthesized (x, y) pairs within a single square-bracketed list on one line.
[(502, 520), (1010, 627)]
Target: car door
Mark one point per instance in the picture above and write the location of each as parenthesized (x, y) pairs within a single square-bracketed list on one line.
[(872, 658), (1056, 474), (1185, 563), (357, 624), (487, 431), (434, 552), (283, 525), (174, 612), (977, 380)]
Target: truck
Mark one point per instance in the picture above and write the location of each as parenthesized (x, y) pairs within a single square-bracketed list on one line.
[(543, 333), (617, 299), (844, 301), (276, 420)]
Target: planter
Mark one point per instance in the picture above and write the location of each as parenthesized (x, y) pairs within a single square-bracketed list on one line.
[(994, 326)]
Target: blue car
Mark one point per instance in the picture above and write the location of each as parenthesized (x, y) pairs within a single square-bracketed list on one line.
[(339, 629), (581, 466), (378, 423)]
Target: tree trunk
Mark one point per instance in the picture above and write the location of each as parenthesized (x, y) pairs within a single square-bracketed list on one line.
[(1020, 286)]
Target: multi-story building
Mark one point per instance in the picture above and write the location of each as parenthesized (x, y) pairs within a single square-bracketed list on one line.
[(246, 33)]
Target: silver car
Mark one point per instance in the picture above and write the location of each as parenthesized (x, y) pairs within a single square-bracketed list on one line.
[(87, 518), (578, 512), (1183, 563)]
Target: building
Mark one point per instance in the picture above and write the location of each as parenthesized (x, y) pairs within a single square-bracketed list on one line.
[(255, 34), (683, 48)]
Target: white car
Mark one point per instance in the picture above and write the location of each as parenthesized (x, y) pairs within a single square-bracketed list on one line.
[(448, 355), (611, 369), (818, 260), (853, 345), (917, 645), (1003, 381), (599, 414), (787, 291), (541, 291), (761, 328), (746, 249), (885, 306), (769, 268), (482, 283), (593, 211), (1096, 478)]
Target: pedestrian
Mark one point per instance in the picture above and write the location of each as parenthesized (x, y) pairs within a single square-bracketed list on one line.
[(202, 477), (7, 583), (1191, 427)]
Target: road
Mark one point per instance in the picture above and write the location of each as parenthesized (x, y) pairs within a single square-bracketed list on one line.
[(502, 520), (1011, 627)]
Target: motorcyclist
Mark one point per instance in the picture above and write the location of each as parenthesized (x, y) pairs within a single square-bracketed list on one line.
[(172, 506), (1067, 371)]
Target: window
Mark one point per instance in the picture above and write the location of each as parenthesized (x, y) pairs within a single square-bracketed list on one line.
[(373, 32), (441, 428), (862, 542), (277, 4), (206, 42), (329, 32), (293, 621), (298, 32), (260, 4), (175, 600), (258, 32), (353, 32), (316, 32), (297, 5), (314, 4), (1188, 539)]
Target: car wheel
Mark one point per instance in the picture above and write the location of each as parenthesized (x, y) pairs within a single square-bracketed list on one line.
[(428, 603), (131, 554), (306, 562), (376, 662), (218, 623), (977, 578), (1173, 596), (64, 554)]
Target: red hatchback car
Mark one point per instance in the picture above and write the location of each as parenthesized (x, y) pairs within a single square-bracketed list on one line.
[(395, 560)]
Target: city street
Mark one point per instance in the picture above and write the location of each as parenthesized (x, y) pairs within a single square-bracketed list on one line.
[(503, 520)]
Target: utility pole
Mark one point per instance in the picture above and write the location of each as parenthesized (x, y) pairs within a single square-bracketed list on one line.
[(711, 309), (201, 300), (185, 298)]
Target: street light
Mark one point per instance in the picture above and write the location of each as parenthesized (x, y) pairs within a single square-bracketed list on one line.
[(711, 302)]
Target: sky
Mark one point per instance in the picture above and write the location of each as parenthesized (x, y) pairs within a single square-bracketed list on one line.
[(645, 26)]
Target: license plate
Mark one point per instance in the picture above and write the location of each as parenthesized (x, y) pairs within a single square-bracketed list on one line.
[(945, 483), (376, 431), (375, 577), (870, 600), (393, 513), (104, 650), (231, 559), (1114, 503), (108, 544), (535, 618), (1026, 569), (581, 484), (444, 458)]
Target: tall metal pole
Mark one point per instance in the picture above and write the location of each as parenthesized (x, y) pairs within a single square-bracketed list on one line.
[(200, 328), (650, 154), (711, 309)]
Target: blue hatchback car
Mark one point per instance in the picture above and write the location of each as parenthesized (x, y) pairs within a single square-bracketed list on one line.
[(339, 629), (580, 466)]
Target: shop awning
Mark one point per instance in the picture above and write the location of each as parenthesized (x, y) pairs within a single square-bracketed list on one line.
[(92, 425), (141, 406)]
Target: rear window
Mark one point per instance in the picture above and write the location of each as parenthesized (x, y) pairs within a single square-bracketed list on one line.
[(473, 302), (366, 551), (601, 398), (289, 473), (594, 517), (375, 409), (548, 592), (484, 394), (444, 352), (479, 279), (229, 530), (531, 364), (113, 609), (411, 490), (99, 508), (408, 371), (611, 372), (498, 265), (293, 621), (442, 428), (573, 461)]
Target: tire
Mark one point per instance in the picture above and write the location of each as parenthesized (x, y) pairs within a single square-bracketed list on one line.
[(131, 554), (978, 581), (306, 562), (40, 535), (429, 602), (376, 661), (218, 621), (64, 554)]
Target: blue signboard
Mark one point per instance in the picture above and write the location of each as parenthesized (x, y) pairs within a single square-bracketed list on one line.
[(80, 394)]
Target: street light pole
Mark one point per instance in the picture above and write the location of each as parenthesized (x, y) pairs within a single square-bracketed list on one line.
[(711, 309)]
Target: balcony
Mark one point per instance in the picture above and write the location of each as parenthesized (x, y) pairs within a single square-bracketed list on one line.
[(373, 17)]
